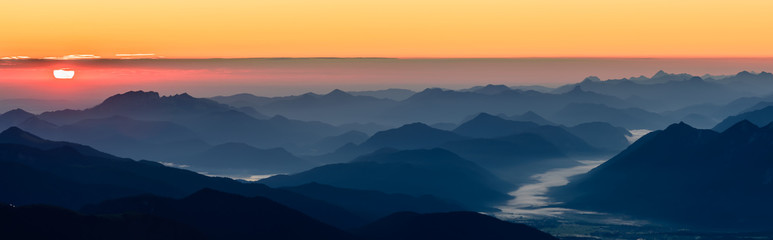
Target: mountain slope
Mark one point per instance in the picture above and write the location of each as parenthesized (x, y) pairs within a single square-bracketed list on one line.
[(759, 117), (688, 177), (64, 176), (452, 226), (226, 216), (47, 222), (243, 159), (410, 136), (373, 204), (416, 172)]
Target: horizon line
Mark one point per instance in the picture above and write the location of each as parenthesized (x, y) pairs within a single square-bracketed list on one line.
[(365, 58)]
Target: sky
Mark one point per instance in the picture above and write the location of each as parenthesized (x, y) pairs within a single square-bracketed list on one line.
[(387, 28)]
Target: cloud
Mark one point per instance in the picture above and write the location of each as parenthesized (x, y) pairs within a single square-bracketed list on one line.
[(80, 56)]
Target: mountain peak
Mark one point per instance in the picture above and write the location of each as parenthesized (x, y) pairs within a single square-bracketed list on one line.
[(744, 126), (485, 116), (16, 116), (744, 74), (492, 89), (184, 95), (576, 89), (591, 79), (337, 93), (416, 125), (530, 114), (679, 127), (17, 111), (132, 97), (17, 135), (659, 74)]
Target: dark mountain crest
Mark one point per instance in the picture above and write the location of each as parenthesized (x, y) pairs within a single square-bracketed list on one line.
[(492, 89), (576, 90), (15, 134), (380, 151), (743, 130), (132, 97), (338, 93), (660, 74), (17, 113), (37, 122), (530, 114), (209, 195), (415, 126), (590, 79), (679, 127)]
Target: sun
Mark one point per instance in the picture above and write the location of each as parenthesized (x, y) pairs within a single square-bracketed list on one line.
[(64, 73)]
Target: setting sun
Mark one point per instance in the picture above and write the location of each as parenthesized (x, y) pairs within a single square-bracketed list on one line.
[(64, 73)]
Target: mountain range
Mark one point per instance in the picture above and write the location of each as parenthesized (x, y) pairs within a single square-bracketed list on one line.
[(686, 177)]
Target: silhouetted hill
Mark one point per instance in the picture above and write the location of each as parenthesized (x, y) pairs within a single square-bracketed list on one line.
[(336, 107), (686, 177), (489, 89), (754, 83), (437, 105), (330, 144), (488, 126), (410, 136), (530, 116), (240, 158), (503, 152), (602, 135), (212, 122), (630, 118), (120, 135), (278, 131), (452, 226), (47, 222), (416, 172), (564, 140), (661, 92), (14, 117), (760, 117), (15, 135), (140, 105), (63, 176), (514, 158), (396, 94), (373, 204), (226, 216), (244, 100)]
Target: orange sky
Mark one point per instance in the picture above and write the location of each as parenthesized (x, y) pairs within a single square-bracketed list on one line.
[(393, 28)]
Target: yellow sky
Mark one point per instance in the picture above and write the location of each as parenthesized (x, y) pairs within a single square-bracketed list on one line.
[(393, 28)]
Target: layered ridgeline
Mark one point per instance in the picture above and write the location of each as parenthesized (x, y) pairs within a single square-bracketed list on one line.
[(213, 122), (38, 171), (759, 115), (622, 101), (686, 177), (186, 131), (432, 105), (664, 91), (146, 200), (415, 172), (513, 150)]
